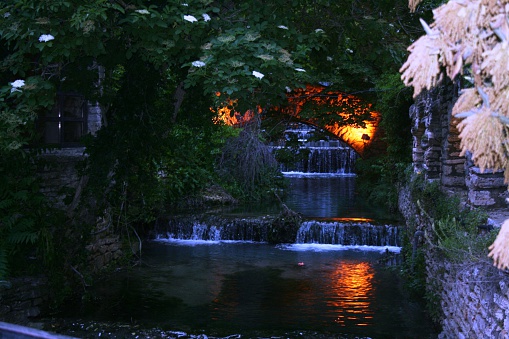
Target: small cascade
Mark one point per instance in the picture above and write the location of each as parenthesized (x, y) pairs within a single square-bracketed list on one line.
[(348, 234), (220, 228), (324, 160), (317, 157), (213, 228), (332, 157)]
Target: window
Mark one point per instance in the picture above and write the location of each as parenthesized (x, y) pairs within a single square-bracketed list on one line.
[(66, 122)]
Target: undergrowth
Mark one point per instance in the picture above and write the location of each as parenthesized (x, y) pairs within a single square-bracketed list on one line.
[(450, 229)]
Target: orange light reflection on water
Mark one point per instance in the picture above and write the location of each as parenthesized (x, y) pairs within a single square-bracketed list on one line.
[(352, 291), (345, 219)]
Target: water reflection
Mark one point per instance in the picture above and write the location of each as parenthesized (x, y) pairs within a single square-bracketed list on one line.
[(351, 293), (240, 288), (329, 197)]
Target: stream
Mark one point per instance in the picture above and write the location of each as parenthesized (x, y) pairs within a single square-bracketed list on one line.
[(198, 281)]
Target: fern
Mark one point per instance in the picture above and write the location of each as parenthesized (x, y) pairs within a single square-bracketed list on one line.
[(26, 237), (24, 213)]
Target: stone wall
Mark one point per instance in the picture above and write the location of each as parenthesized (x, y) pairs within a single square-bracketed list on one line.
[(59, 171), (474, 298), (105, 247), (22, 299), (437, 153)]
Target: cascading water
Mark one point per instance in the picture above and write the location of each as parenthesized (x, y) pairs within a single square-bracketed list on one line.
[(325, 159), (323, 156), (348, 234), (214, 228)]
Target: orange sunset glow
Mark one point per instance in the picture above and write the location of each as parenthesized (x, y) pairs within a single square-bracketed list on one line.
[(359, 138)]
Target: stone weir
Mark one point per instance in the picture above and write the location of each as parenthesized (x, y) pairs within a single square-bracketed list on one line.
[(226, 228), (214, 228), (349, 233)]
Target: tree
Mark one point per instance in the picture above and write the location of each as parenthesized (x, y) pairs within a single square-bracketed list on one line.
[(157, 67), (135, 59), (469, 39)]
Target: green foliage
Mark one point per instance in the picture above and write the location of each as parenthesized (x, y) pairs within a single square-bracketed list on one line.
[(461, 240), (380, 177), (248, 166), (393, 103), (27, 221), (455, 229), (146, 161), (284, 228)]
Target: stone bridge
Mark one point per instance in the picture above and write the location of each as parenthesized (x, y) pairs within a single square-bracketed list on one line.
[(338, 115), (366, 141)]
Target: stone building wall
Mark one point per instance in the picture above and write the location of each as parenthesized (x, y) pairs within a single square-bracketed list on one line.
[(473, 296), (61, 176), (437, 153), (23, 298), (59, 171)]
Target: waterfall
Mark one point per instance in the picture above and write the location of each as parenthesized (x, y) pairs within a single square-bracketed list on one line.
[(348, 234), (213, 228), (322, 157), (217, 228), (324, 160)]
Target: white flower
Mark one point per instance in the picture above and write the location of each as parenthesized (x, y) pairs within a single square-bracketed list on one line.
[(190, 18), (142, 11), (300, 70), (329, 58), (7, 14), (282, 27), (185, 5), (16, 85), (288, 89), (258, 74), (206, 17), (198, 63), (349, 50), (319, 30), (46, 37)]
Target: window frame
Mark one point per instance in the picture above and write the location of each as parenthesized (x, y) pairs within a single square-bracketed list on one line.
[(63, 120)]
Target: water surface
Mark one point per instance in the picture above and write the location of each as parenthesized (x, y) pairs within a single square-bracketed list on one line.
[(330, 197), (231, 287)]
